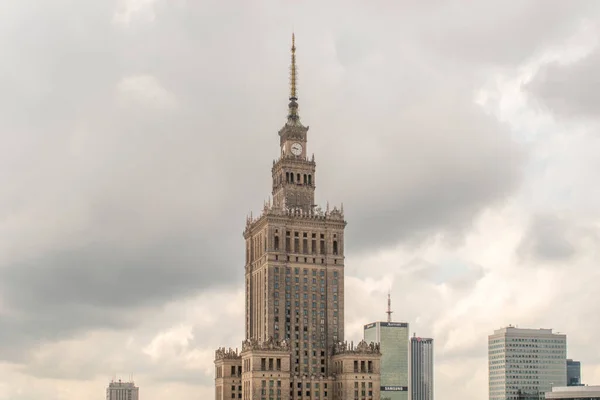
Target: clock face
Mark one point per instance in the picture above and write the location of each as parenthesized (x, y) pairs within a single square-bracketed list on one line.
[(296, 149)]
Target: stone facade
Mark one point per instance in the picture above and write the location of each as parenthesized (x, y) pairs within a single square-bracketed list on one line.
[(266, 367), (228, 374), (357, 371), (294, 284)]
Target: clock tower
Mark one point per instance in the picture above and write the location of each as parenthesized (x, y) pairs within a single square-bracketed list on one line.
[(293, 173), (294, 346)]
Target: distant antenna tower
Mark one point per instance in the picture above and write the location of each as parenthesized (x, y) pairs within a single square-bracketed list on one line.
[(389, 309)]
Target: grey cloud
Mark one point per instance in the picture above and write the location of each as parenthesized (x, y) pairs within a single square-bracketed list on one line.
[(110, 211), (489, 34), (569, 90), (105, 285), (436, 176), (554, 238), (179, 358)]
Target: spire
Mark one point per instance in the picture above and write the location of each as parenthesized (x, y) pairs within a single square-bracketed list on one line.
[(293, 117), (293, 70), (389, 308)]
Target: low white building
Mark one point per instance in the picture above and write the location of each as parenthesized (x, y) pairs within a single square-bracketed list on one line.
[(574, 393), (118, 390), (526, 363)]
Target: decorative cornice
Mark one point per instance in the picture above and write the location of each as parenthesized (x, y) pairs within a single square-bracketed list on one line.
[(227, 354), (361, 348), (265, 345), (316, 214), (292, 159)]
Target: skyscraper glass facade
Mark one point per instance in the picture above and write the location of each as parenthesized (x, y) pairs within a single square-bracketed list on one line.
[(573, 373), (421, 368), (393, 337)]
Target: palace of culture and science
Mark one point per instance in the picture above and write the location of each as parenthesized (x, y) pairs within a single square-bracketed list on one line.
[(294, 343)]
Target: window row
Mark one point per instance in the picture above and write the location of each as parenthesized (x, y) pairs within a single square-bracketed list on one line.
[(294, 177)]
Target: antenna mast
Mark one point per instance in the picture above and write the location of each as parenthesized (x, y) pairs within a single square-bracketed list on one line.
[(389, 308)]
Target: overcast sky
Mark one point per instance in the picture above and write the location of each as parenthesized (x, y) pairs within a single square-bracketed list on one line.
[(136, 135)]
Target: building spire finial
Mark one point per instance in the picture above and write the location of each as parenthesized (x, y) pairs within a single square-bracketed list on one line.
[(293, 117), (293, 70)]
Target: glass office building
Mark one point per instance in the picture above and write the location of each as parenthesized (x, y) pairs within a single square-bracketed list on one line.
[(421, 368), (393, 337), (573, 373)]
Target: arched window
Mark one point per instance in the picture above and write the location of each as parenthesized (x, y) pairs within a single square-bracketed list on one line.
[(287, 177), (292, 177), (305, 181), (310, 179), (298, 176), (276, 243), (335, 247)]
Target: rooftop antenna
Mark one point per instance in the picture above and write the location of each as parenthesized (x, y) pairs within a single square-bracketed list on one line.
[(389, 308)]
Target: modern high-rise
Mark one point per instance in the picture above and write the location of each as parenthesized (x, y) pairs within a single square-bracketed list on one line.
[(421, 368), (525, 363), (294, 282), (393, 340), (573, 373), (118, 390)]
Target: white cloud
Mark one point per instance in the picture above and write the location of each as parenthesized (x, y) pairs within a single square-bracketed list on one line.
[(146, 91), (128, 11)]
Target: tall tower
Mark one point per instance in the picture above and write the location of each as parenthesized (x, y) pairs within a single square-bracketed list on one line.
[(294, 284), (421, 368), (393, 340), (295, 256)]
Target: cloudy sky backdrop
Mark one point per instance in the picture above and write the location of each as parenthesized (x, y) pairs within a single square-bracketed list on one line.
[(462, 137)]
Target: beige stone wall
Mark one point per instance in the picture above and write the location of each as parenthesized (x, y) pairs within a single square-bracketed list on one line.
[(228, 378), (291, 269), (311, 388), (357, 376), (266, 374)]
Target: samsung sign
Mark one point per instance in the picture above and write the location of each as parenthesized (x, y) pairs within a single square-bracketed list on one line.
[(394, 388)]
